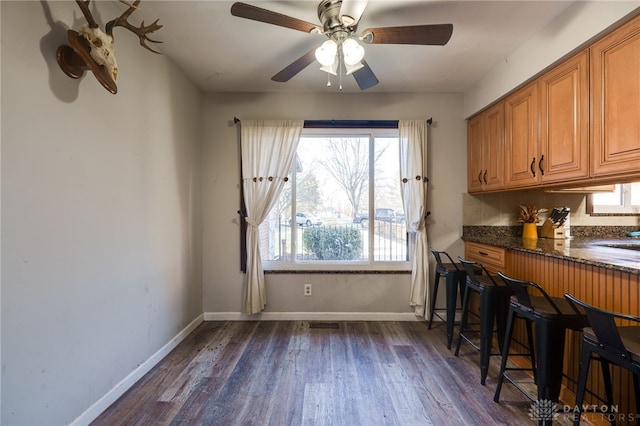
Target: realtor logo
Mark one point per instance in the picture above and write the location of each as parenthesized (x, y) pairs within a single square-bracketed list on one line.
[(543, 410)]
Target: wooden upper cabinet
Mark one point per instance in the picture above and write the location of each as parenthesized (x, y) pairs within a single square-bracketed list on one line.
[(475, 162), (577, 123), (493, 176), (521, 137), (615, 92), (485, 150), (564, 121)]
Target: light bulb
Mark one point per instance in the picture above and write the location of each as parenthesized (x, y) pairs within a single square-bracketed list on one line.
[(326, 54), (352, 51)]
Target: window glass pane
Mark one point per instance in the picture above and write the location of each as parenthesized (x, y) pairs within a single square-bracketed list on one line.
[(332, 184), (635, 193), (624, 200), (328, 213), (609, 198), (390, 233)]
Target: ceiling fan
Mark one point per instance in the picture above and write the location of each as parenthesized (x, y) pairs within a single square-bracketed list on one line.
[(342, 50)]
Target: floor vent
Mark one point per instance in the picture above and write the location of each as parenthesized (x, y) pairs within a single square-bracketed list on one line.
[(333, 325)]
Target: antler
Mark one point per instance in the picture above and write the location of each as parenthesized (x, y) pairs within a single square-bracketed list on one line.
[(141, 31), (84, 7)]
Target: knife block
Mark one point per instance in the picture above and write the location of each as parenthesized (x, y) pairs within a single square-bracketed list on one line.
[(548, 230)]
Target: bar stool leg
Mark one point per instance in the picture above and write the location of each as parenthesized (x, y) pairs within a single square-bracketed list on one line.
[(636, 388), (453, 282), (433, 299), (549, 353), (463, 318), (487, 316), (505, 353), (608, 390), (532, 352), (585, 358)]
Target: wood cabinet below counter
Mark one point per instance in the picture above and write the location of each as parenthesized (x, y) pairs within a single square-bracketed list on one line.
[(493, 258), (611, 288)]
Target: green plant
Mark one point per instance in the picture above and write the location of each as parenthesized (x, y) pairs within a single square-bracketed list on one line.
[(333, 243)]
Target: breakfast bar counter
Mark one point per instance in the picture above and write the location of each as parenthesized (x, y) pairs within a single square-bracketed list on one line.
[(622, 254), (600, 266)]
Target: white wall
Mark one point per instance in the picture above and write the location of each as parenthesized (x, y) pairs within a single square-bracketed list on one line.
[(101, 216), (578, 24), (381, 293)]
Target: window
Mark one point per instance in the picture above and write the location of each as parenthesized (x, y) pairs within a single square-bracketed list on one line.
[(342, 207), (624, 200)]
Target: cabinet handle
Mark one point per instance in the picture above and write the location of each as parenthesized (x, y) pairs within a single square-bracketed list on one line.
[(540, 165), (480, 177), (485, 177), (532, 165), (482, 253)]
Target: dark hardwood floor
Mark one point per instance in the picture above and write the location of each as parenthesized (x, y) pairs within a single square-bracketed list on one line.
[(288, 373)]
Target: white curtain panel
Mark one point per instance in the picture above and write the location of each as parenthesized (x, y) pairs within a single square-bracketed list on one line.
[(413, 181), (268, 150)]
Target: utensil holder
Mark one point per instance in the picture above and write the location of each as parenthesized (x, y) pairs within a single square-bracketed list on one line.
[(549, 230)]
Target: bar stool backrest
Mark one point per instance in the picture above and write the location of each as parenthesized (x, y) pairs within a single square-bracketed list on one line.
[(437, 254), (603, 324), (521, 288), (469, 267)]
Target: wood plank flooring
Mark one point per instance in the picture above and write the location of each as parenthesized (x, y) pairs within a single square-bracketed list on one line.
[(288, 373)]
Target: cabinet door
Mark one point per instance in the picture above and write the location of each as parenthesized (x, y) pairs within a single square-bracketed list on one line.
[(615, 89), (493, 176), (485, 150), (564, 121), (521, 137), (475, 142)]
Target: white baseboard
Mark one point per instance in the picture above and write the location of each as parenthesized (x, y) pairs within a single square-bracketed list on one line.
[(110, 397), (312, 316)]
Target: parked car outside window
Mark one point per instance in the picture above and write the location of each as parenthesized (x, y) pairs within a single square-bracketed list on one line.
[(307, 219)]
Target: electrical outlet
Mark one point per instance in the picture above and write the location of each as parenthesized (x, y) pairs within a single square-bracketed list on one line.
[(307, 289)]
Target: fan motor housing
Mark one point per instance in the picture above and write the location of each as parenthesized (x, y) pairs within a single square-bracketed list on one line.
[(329, 15)]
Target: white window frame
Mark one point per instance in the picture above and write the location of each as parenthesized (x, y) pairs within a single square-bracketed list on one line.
[(347, 266), (624, 208)]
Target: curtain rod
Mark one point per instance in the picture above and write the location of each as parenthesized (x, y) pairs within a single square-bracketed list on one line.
[(349, 124)]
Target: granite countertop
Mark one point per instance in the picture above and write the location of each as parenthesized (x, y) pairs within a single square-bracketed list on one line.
[(603, 251)]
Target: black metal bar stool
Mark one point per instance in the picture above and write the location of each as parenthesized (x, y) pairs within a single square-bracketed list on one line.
[(551, 316), (454, 276), (619, 345), (494, 305)]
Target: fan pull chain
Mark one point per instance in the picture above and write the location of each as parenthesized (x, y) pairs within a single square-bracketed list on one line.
[(328, 80), (340, 68)]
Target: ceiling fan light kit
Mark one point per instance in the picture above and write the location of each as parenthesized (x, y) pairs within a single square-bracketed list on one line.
[(342, 50)]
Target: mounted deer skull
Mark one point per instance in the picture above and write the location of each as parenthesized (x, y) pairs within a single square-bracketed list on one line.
[(91, 48)]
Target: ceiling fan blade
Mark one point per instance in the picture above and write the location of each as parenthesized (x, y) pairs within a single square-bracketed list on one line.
[(255, 13), (351, 11), (295, 67), (438, 34), (365, 77)]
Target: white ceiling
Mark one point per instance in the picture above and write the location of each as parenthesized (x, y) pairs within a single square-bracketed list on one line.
[(224, 53)]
